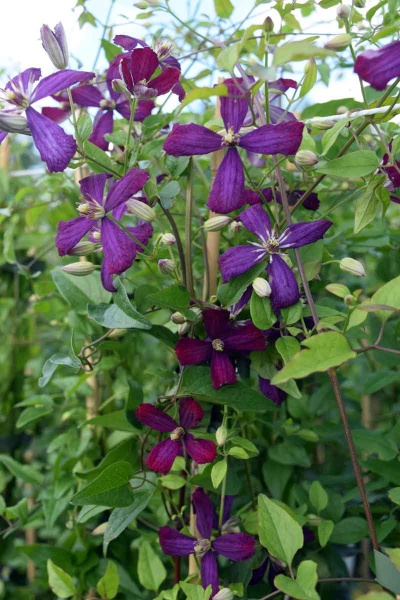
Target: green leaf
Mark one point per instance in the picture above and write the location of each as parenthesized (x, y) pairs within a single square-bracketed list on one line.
[(386, 572), (375, 595), (25, 472), (353, 165), (84, 127), (238, 452), (293, 313), (110, 488), (324, 351), (122, 301), (299, 51), (168, 193), (110, 50), (287, 347), (229, 293), (250, 448), (31, 414), (303, 587), (97, 159), (111, 316), (203, 93), (49, 367), (175, 297), (388, 294), (227, 58), (218, 472), (59, 581), (108, 585), (367, 204), (309, 79), (325, 529), (223, 8), (195, 592), (374, 442), (172, 482), (394, 555), (279, 533), (151, 571), (394, 495), (261, 312), (116, 420), (331, 135), (318, 496), (349, 531), (79, 291)]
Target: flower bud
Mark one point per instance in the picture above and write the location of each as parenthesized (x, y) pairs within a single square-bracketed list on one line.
[(82, 249), (224, 594), (339, 42), (221, 434), (166, 265), (141, 210), (55, 44), (13, 122), (178, 318), (184, 328), (337, 289), (100, 529), (350, 299), (116, 334), (119, 86), (343, 11), (79, 268), (261, 287), (342, 110), (142, 5), (350, 265), (168, 239), (268, 25), (322, 124), (216, 223), (236, 226), (305, 158)]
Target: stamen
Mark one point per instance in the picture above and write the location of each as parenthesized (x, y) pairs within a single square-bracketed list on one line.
[(202, 547), (177, 434), (218, 345), (230, 138)]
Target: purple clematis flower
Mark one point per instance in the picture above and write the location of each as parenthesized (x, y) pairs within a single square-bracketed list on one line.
[(223, 340), (235, 546), (252, 197), (55, 147), (271, 392), (188, 140), (378, 67), (393, 173), (119, 249), (162, 456), (240, 259)]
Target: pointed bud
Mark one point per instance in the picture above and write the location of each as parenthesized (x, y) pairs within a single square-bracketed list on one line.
[(322, 124), (82, 249), (79, 268), (350, 299), (261, 287), (166, 265), (184, 328), (13, 122), (119, 86), (350, 265), (178, 318), (221, 434), (339, 42), (142, 5), (342, 110), (141, 210), (100, 529), (224, 594), (268, 25), (305, 158), (337, 289), (343, 11), (55, 44), (216, 223), (236, 226), (168, 239)]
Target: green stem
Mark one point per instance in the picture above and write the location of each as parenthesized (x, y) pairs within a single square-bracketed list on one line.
[(129, 133), (145, 250)]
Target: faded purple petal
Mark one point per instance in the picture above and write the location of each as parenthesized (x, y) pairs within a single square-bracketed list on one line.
[(284, 138), (301, 234), (93, 187), (199, 450), (255, 159), (215, 322), (187, 140), (209, 572), (58, 115), (55, 147), (153, 417), (222, 370), (235, 106), (126, 187), (165, 81), (256, 220), (192, 352), (239, 259), (71, 232), (226, 193), (190, 413), (310, 203), (271, 391), (59, 81), (175, 543), (103, 124), (236, 546), (252, 197), (244, 338), (162, 456), (128, 43), (378, 67), (285, 290), (204, 511), (87, 95)]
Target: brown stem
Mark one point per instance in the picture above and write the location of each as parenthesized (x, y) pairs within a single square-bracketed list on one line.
[(327, 580)]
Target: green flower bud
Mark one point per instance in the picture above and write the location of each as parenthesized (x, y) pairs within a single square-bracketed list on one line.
[(80, 268), (343, 11), (178, 318), (221, 434), (339, 42), (216, 223), (224, 594), (268, 25), (82, 249), (322, 124), (261, 287), (352, 266), (236, 226), (305, 158), (141, 210)]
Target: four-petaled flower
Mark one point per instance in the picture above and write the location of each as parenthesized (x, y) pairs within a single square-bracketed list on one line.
[(235, 546), (223, 339), (162, 456), (55, 147), (378, 67), (239, 259), (119, 249), (188, 140)]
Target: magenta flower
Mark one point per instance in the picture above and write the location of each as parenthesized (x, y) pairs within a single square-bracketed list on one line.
[(223, 339), (235, 546), (119, 249), (162, 456), (188, 140), (240, 259), (378, 67), (55, 147)]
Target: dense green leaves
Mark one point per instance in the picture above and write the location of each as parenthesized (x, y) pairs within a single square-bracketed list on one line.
[(110, 488)]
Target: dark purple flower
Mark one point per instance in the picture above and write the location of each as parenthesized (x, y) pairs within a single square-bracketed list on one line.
[(235, 546), (378, 67), (393, 173), (162, 456), (188, 140), (271, 392), (119, 249), (223, 339), (55, 147), (268, 195), (240, 259)]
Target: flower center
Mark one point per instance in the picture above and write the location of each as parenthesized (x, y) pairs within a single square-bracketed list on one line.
[(177, 434), (107, 104), (163, 49), (218, 345), (230, 138), (90, 209), (15, 96), (272, 245), (201, 547)]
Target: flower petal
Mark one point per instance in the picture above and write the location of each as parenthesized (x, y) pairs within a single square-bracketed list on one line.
[(127, 42), (285, 290), (126, 187), (227, 189), (3, 135), (103, 124), (240, 259), (58, 115), (301, 234), (200, 450), (24, 80), (256, 220), (216, 322), (279, 115), (204, 511), (154, 417), (59, 81), (92, 187), (209, 572), (378, 67), (142, 64), (284, 138), (190, 413), (187, 140), (175, 543), (144, 108), (142, 233), (165, 81), (236, 546), (271, 392), (235, 106), (244, 338), (236, 308), (192, 352), (87, 95), (222, 370), (119, 249), (162, 456), (55, 147), (71, 232)]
